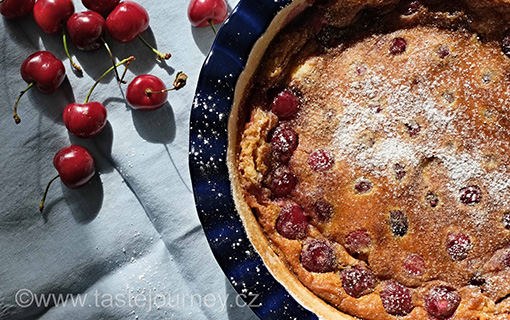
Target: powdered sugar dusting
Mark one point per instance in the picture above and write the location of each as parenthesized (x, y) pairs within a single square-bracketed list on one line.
[(417, 120), (399, 103)]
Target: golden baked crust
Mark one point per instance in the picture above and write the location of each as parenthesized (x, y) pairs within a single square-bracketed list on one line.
[(402, 131)]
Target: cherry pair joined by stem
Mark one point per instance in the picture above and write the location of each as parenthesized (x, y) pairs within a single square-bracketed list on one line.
[(127, 22), (87, 120), (16, 9), (203, 13), (148, 92), (86, 31), (75, 168), (51, 16), (43, 70)]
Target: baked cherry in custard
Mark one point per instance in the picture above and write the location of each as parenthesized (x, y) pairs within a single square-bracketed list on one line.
[(397, 299), (321, 160), (358, 242), (442, 301), (292, 223), (358, 281), (285, 105), (318, 256), (414, 265), (284, 142), (283, 182)]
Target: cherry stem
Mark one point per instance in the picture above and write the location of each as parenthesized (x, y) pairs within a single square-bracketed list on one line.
[(16, 117), (161, 56), (126, 61), (107, 47), (149, 91), (212, 26), (125, 71), (64, 39), (41, 205)]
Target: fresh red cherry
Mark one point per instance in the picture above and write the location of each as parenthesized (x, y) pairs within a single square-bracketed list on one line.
[(203, 13), (43, 70), (127, 22), (50, 15), (103, 7), (141, 92), (75, 168), (86, 29), (148, 92), (88, 119), (16, 9), (85, 120)]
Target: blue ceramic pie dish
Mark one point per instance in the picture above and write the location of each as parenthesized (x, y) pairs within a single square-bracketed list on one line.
[(208, 163)]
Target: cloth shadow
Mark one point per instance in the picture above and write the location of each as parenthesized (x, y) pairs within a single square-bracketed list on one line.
[(94, 63), (104, 141), (85, 202), (157, 126), (204, 38), (145, 58), (50, 105), (237, 308), (23, 32)]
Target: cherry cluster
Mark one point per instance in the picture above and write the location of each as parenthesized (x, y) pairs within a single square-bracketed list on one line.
[(124, 21)]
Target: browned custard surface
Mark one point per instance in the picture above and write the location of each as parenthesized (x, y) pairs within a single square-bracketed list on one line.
[(376, 156)]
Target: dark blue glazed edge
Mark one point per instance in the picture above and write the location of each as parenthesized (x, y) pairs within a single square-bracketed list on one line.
[(208, 163)]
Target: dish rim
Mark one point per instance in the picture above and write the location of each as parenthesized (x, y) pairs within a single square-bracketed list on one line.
[(208, 143)]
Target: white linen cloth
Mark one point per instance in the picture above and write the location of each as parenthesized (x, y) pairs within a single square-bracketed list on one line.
[(130, 242)]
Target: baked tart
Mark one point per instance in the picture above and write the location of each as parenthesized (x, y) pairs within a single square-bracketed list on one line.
[(371, 147)]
